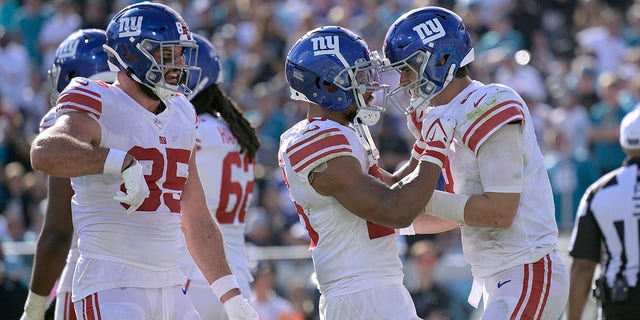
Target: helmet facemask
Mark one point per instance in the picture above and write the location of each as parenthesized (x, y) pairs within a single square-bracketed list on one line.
[(155, 77), (53, 74), (422, 89), (364, 77)]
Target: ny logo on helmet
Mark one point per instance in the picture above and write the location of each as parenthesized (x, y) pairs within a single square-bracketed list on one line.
[(130, 27), (325, 45), (68, 49), (430, 31)]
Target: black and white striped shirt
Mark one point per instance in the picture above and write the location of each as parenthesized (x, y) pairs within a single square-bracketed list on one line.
[(607, 228)]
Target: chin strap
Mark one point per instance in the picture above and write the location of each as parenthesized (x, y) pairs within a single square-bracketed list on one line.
[(365, 137)]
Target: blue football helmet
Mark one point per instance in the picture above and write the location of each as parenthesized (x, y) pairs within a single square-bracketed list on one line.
[(79, 55), (335, 56), (137, 31), (209, 63), (434, 43)]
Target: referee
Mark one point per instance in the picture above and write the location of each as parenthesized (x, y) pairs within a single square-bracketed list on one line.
[(607, 232)]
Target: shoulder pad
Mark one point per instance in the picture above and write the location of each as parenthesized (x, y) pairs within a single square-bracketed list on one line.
[(490, 108), (81, 95), (316, 144)]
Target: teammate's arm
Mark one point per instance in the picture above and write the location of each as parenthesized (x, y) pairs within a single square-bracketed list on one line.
[(500, 165), (204, 241), (52, 247), (428, 224), (201, 231), (580, 286), (404, 170), (55, 239), (369, 198)]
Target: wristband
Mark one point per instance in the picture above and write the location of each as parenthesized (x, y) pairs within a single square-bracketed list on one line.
[(223, 285), (449, 206), (36, 304), (407, 231), (114, 161)]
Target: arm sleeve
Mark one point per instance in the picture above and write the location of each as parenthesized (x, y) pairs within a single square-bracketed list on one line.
[(500, 160)]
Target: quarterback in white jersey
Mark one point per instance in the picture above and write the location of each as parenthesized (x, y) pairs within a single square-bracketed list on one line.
[(329, 163), (496, 182), (129, 151), (226, 146)]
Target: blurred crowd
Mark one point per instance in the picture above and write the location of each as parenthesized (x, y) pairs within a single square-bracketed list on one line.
[(575, 62)]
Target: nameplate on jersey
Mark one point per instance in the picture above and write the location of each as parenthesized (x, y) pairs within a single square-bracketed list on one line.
[(430, 31), (130, 27), (325, 45)]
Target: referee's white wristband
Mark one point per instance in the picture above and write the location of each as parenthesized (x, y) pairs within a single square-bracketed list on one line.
[(114, 161), (223, 285), (449, 206)]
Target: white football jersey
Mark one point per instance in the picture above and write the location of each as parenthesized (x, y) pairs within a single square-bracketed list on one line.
[(227, 178), (349, 253), (141, 249), (66, 278), (480, 110)]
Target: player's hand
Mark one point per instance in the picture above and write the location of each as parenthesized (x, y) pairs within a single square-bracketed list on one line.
[(238, 308), (135, 185), (437, 133), (414, 122), (34, 307)]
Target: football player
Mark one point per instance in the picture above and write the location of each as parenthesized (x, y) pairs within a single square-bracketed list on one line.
[(330, 165), (129, 149), (497, 186)]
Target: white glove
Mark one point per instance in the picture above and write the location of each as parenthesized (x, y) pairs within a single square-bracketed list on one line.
[(34, 307), (136, 185), (414, 122), (238, 308), (437, 132)]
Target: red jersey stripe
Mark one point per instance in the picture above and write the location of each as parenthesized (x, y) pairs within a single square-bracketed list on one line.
[(313, 234), (523, 294), (87, 91), (320, 156), (319, 133), (505, 116), (485, 115), (84, 102), (537, 287), (87, 304), (97, 307), (414, 119), (331, 141), (549, 266), (76, 108)]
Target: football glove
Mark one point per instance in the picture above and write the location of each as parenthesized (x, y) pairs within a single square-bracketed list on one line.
[(437, 132), (136, 187), (238, 308)]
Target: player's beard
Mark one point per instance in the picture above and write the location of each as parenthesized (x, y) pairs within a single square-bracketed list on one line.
[(351, 114), (147, 91)]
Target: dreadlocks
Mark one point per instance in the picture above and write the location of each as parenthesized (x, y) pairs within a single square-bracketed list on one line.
[(212, 100)]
